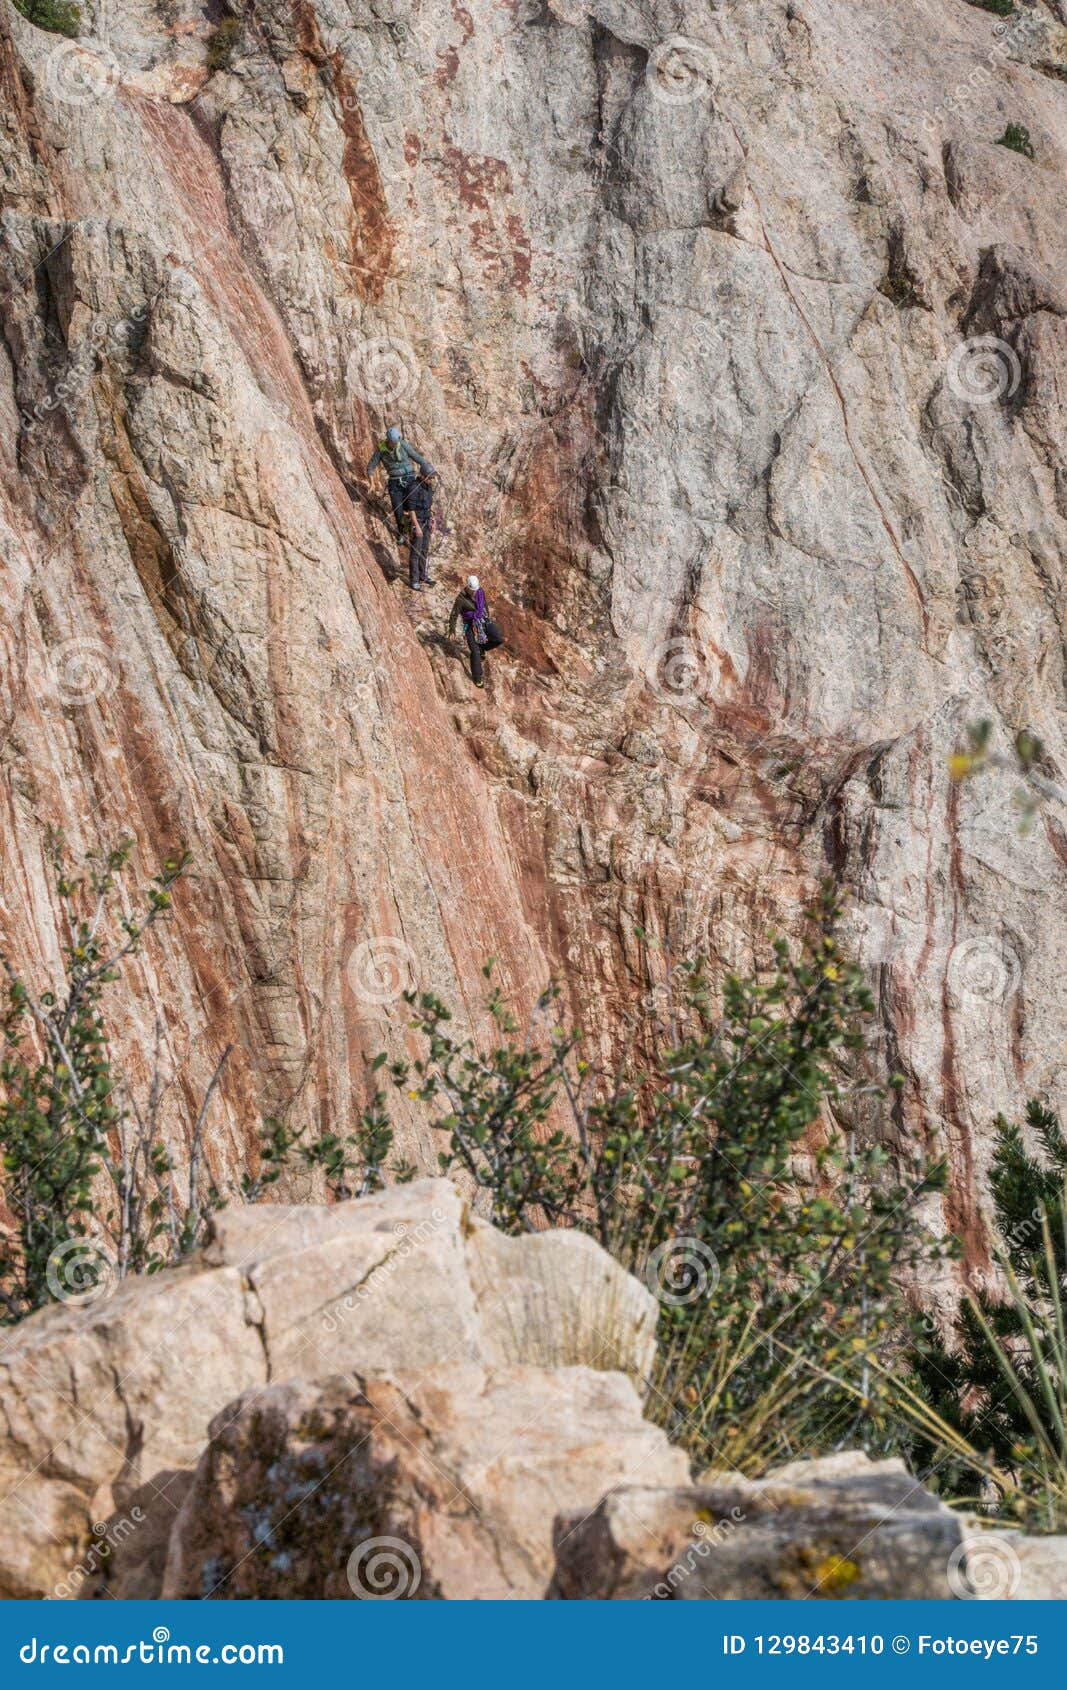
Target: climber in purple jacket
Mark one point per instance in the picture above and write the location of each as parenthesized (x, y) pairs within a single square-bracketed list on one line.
[(481, 632)]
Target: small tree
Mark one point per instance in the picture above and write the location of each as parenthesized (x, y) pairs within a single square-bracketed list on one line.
[(59, 17), (70, 1131), (688, 1174), (990, 1399)]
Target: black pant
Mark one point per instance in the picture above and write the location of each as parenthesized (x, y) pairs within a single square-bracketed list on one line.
[(493, 638), (398, 492), (420, 506), (418, 550)]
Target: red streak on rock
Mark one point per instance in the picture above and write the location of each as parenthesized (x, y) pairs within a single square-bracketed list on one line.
[(371, 237)]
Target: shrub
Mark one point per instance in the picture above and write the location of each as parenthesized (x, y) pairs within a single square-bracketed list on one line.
[(991, 1401), (898, 287), (777, 1288), (61, 17), (86, 1174), (224, 44), (63, 1119), (1001, 8), (1017, 138)]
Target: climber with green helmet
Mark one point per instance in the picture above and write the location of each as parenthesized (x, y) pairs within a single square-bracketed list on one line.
[(400, 462)]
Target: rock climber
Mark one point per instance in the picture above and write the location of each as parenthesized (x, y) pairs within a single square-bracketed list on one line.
[(399, 460), (482, 633), (418, 506)]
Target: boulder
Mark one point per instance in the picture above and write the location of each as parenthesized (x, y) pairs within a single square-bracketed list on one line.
[(1008, 1566), (112, 1401), (841, 1528), (438, 1487)]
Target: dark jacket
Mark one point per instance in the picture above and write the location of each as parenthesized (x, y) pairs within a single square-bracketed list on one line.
[(420, 501), (464, 607)]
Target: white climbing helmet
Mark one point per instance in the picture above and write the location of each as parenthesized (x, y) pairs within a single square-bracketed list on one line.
[(473, 583)]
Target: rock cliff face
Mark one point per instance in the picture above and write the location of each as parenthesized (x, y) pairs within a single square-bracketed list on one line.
[(741, 344)]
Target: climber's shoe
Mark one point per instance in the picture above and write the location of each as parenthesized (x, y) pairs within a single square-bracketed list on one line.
[(430, 581), (480, 683)]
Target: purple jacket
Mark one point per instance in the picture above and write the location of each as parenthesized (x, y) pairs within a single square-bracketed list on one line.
[(472, 607)]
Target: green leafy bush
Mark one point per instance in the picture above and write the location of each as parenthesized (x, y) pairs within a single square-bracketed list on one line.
[(225, 43), (87, 1176), (1017, 138), (898, 287), (64, 1122), (61, 17), (1000, 8), (990, 1401), (777, 1281)]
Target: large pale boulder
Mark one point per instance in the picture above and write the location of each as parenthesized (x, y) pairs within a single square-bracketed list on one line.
[(842, 1528), (1009, 1566), (442, 1487), (112, 1400)]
